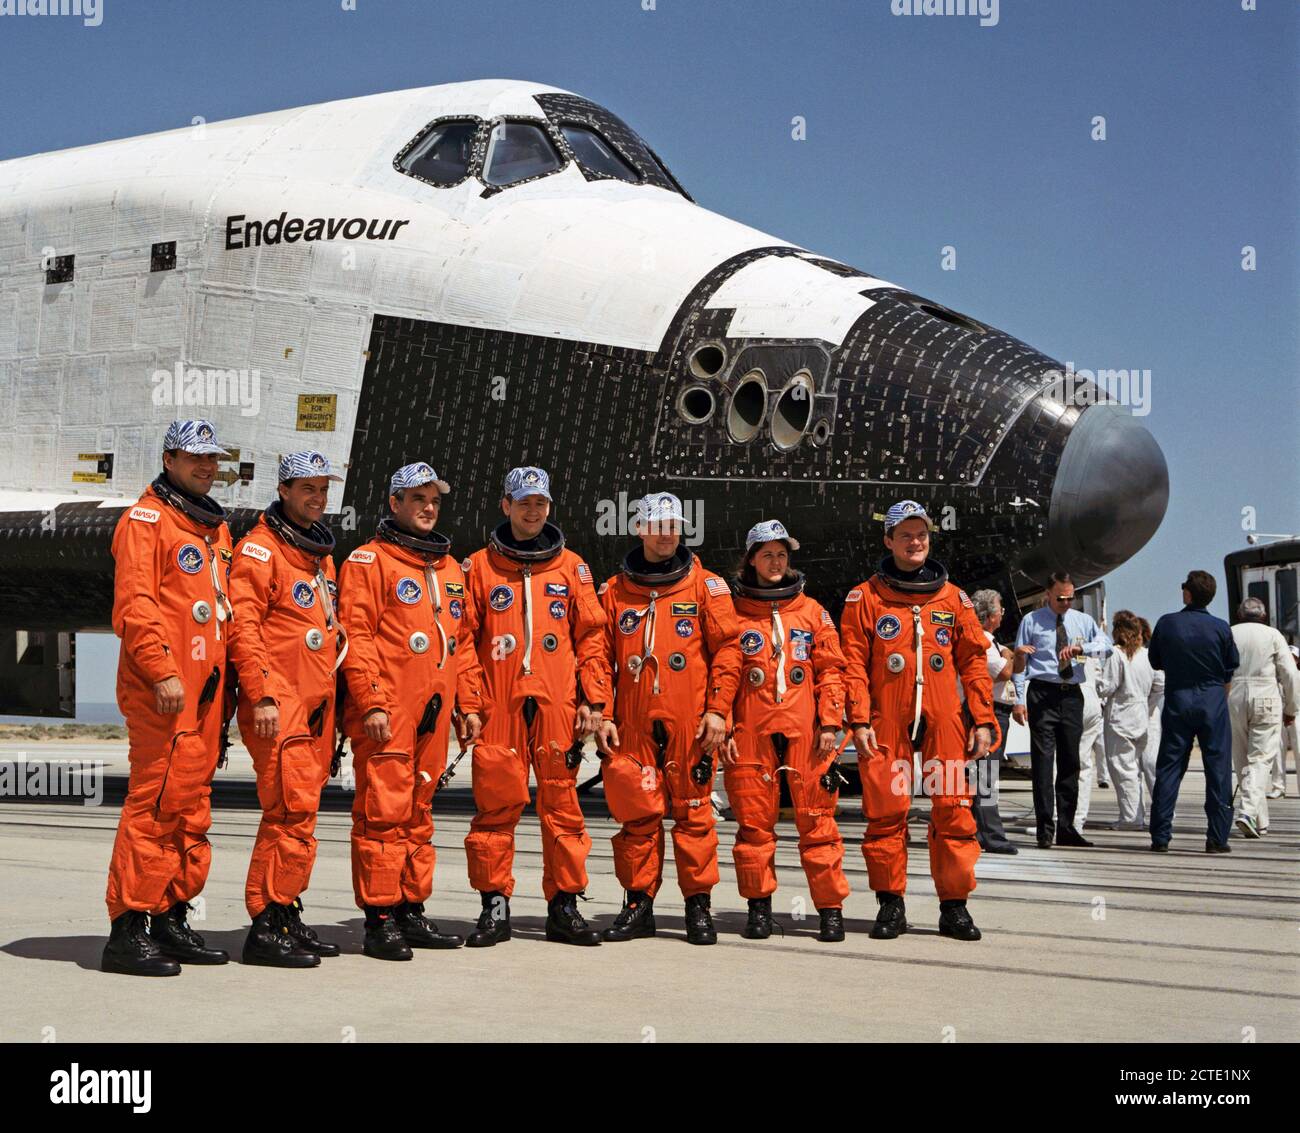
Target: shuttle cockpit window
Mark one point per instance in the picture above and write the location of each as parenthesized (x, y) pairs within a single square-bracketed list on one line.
[(595, 156), (519, 151), (443, 155)]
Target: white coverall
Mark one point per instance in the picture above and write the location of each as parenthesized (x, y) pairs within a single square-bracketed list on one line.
[(1265, 687), (1091, 751), (1131, 689)]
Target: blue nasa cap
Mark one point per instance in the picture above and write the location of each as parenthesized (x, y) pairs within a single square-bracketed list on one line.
[(414, 476), (197, 436), (305, 466), (659, 507), (527, 481), (770, 530), (904, 509)]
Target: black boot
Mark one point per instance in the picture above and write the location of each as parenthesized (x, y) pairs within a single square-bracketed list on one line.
[(635, 919), (1217, 847), (419, 931), (565, 925), (130, 952), (305, 938), (270, 944), (699, 921), (891, 917), (493, 922), (956, 922), (832, 929), (759, 924), (171, 932), (384, 940)]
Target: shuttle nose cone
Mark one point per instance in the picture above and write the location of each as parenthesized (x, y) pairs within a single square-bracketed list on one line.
[(1109, 497)]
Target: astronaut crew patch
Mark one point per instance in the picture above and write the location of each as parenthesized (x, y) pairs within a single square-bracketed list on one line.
[(888, 627)]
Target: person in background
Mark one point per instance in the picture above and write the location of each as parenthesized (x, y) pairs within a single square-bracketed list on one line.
[(1277, 788), (1199, 657), (1130, 687), (1153, 725), (988, 821), (1262, 699), (1050, 646), (1092, 752)]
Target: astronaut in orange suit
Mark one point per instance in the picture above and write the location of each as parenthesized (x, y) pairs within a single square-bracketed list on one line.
[(908, 635), (787, 711), (407, 670), (172, 611), (672, 637), (531, 610), (286, 646)]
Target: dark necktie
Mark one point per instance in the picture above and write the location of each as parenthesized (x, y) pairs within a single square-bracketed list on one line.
[(1066, 669)]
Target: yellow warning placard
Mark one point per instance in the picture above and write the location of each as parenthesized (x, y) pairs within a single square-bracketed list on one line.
[(317, 411), (100, 470)]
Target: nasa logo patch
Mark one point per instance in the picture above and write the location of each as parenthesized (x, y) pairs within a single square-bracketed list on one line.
[(255, 551), (628, 620), (144, 514), (603, 587), (558, 611), (409, 591), (888, 627), (684, 627), (303, 595), (751, 641), (360, 556), (854, 595), (189, 558), (943, 635), (464, 564), (456, 608), (501, 598)]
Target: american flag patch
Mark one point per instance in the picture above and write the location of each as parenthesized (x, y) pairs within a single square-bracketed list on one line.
[(584, 572), (826, 619), (716, 586)]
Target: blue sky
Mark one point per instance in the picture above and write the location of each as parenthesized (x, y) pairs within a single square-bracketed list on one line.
[(921, 132)]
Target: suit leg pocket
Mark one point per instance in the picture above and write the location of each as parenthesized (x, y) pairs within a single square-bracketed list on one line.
[(633, 790), (390, 788), (190, 765), (301, 775), (500, 778)]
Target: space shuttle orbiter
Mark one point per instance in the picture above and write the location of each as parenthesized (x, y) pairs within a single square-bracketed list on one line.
[(495, 273)]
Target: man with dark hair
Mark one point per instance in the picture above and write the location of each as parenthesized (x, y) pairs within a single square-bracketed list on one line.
[(1050, 646), (1199, 657), (171, 609)]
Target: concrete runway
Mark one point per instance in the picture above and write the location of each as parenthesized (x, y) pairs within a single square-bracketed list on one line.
[(1108, 944)]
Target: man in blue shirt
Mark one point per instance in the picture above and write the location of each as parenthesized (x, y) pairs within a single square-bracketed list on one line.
[(1199, 656), (1050, 645)]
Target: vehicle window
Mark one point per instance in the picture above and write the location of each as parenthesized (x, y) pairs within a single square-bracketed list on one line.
[(1288, 615), (444, 154), (595, 155), (516, 151)]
